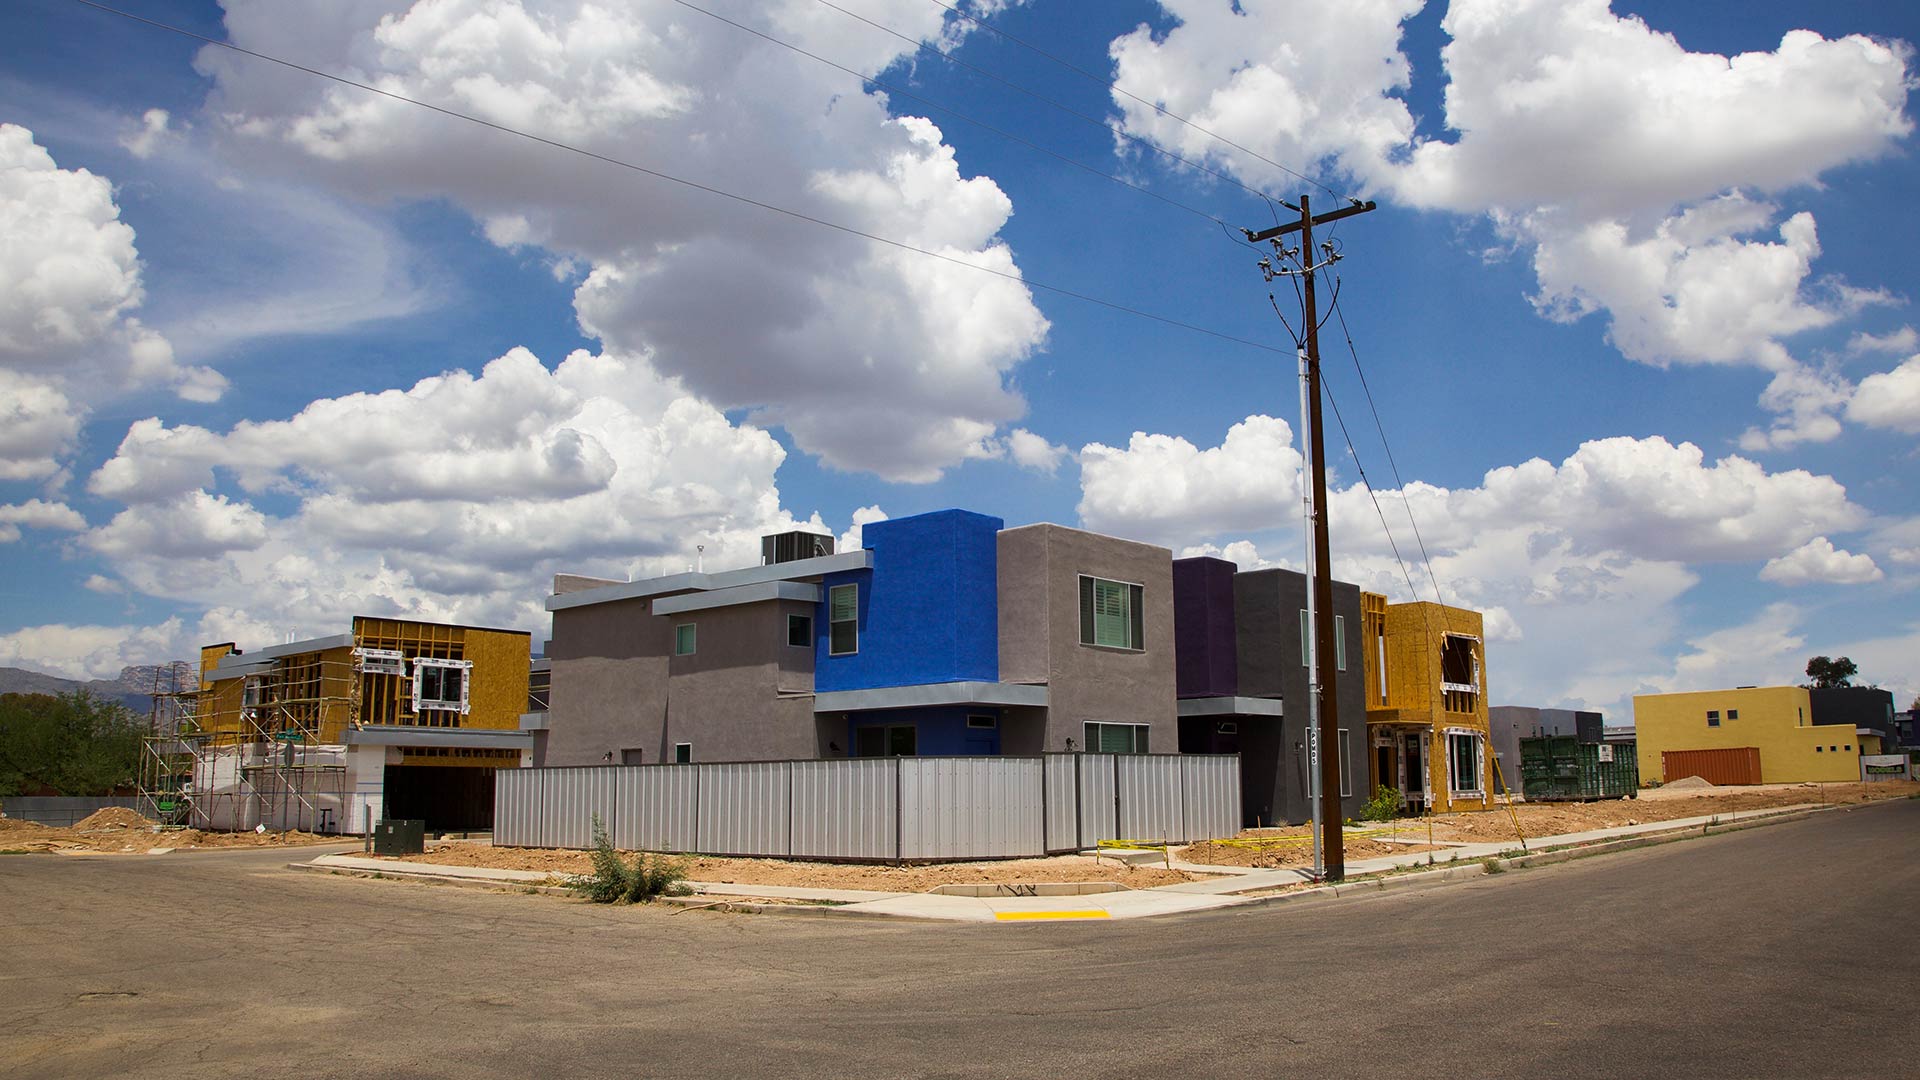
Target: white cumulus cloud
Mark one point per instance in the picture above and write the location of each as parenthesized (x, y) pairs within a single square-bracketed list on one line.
[(1818, 561), (1889, 399)]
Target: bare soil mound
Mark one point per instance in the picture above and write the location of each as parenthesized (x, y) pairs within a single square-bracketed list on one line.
[(1690, 783), (114, 817)]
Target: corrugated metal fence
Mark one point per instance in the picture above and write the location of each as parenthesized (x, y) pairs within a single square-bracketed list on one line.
[(61, 810), (875, 808)]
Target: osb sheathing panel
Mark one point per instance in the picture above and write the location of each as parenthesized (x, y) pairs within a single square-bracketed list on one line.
[(497, 689), (1414, 632), (219, 708)]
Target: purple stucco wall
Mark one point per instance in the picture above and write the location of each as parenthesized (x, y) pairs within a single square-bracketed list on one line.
[(1203, 628)]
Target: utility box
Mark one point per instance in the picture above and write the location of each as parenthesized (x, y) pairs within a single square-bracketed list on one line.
[(399, 836), (1562, 768)]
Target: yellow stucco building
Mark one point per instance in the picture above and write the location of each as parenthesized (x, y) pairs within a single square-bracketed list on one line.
[(1775, 720), (1427, 703), (395, 718)]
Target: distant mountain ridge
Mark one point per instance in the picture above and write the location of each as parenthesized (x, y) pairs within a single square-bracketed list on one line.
[(134, 688)]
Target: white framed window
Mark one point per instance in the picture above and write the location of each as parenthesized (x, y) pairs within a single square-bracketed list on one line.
[(1116, 738), (843, 620), (440, 684), (800, 631), (1110, 613), (686, 638), (382, 661), (1340, 642), (1346, 765), (1463, 763), (683, 753)]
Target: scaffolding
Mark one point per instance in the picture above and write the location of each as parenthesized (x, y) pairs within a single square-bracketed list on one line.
[(261, 763)]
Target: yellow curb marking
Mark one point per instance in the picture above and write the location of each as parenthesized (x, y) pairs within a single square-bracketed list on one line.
[(1009, 916)]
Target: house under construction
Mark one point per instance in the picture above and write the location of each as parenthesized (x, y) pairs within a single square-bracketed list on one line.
[(396, 718)]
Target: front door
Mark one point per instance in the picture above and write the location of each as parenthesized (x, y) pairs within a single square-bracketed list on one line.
[(1416, 771)]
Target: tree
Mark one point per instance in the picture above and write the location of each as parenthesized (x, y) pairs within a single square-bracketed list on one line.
[(76, 744), (1831, 672)]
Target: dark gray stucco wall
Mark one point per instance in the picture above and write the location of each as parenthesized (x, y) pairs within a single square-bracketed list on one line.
[(1267, 606), (723, 699), (1039, 594)]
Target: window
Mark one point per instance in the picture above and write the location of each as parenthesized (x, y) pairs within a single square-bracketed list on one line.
[(682, 753), (885, 740), (1116, 738), (684, 639), (1110, 614), (1819, 749), (440, 684), (1227, 727), (1463, 755), (1713, 717), (843, 620), (982, 720), (1306, 639), (1733, 714), (1346, 766), (800, 631), (1340, 642)]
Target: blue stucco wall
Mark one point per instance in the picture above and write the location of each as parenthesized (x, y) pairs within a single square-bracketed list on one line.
[(939, 731), (929, 607)]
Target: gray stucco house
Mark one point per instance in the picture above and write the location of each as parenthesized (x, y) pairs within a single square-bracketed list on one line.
[(1243, 683), (944, 634)]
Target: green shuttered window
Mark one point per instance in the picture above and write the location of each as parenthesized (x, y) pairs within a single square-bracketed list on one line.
[(1116, 738), (1110, 614)]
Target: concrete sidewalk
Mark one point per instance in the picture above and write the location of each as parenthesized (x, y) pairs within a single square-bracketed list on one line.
[(1235, 885)]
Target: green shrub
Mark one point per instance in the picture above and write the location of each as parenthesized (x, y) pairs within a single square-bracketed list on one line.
[(614, 881), (1384, 806), (1494, 866)]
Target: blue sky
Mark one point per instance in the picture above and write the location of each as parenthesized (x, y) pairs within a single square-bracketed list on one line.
[(1636, 318)]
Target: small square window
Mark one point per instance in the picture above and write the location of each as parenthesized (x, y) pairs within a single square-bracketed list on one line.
[(682, 753), (800, 631), (1733, 714), (684, 639), (1819, 749)]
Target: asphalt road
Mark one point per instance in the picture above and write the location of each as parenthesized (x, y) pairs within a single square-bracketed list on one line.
[(1775, 952)]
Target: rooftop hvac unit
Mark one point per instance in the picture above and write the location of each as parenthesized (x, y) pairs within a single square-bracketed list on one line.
[(383, 661), (792, 546)]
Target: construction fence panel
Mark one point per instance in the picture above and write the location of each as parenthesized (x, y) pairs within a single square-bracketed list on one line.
[(656, 808), (1150, 804), (1210, 796), (846, 809), (1099, 794), (1062, 781), (743, 808), (570, 799), (970, 808), (61, 811), (517, 802)]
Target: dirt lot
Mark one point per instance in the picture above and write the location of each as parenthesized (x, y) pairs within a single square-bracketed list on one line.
[(820, 875), (1264, 856), (118, 831), (1655, 804)]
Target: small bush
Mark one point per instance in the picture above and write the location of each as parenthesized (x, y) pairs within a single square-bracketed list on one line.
[(613, 881), (1384, 806), (1494, 866)]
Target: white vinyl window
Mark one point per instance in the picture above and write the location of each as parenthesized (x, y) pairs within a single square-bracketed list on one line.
[(1463, 763), (1340, 642), (843, 620), (1110, 613), (683, 753), (440, 684), (383, 661)]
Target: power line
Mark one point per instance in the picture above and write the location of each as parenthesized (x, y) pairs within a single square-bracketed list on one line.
[(1384, 445), (1037, 96), (1115, 87), (682, 181), (903, 92)]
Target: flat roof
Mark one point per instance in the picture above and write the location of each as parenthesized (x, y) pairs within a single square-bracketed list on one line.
[(695, 581), (923, 694), (1228, 706)]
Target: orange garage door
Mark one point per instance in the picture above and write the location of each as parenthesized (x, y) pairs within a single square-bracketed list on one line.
[(1738, 765)]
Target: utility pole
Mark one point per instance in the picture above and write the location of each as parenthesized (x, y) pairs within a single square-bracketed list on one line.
[(1323, 707)]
